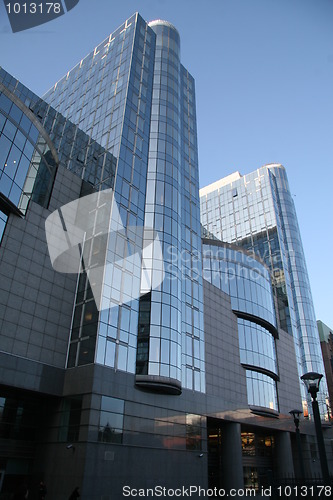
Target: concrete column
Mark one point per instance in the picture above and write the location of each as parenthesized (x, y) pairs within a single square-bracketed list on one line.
[(311, 458), (231, 457), (284, 465)]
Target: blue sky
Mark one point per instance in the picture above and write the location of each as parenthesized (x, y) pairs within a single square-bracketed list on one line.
[(264, 90)]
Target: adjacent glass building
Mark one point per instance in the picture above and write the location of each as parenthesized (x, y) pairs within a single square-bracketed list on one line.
[(257, 213), (246, 279)]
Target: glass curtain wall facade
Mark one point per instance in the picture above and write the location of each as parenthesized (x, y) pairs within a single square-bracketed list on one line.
[(193, 342), (55, 138), (35, 139), (133, 96), (163, 352), (257, 212), (27, 157), (246, 279)]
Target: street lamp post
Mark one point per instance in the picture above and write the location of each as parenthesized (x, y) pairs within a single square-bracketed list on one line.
[(296, 414), (312, 381)]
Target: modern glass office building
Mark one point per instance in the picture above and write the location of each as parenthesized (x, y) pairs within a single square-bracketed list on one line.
[(133, 96), (257, 212), (158, 359)]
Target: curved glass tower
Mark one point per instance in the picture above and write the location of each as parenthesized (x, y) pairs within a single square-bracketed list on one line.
[(162, 344), (246, 279), (172, 163)]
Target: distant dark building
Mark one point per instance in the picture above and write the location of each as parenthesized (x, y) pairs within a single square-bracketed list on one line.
[(326, 343)]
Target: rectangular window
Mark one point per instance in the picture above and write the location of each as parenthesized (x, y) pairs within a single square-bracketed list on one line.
[(70, 419), (18, 417), (3, 222), (111, 420), (193, 432), (142, 355)]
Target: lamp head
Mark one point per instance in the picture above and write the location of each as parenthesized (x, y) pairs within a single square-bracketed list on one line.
[(312, 381), (296, 413)]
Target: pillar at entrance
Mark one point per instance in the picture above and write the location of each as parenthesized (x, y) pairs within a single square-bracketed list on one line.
[(232, 466), (284, 465)]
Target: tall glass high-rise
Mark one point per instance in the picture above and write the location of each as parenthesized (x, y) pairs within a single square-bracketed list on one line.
[(257, 212), (133, 96)]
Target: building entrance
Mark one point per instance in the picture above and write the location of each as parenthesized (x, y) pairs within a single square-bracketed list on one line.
[(248, 457)]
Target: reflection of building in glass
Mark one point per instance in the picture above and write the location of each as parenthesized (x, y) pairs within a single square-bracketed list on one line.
[(27, 161), (257, 213), (111, 420), (182, 371)]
